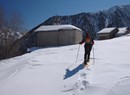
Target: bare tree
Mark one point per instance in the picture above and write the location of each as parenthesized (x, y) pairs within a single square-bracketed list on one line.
[(9, 32), (16, 22)]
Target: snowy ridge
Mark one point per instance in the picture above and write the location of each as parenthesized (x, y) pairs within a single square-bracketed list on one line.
[(47, 71), (117, 16)]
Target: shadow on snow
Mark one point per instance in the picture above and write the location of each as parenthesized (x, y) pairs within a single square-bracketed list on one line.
[(70, 73)]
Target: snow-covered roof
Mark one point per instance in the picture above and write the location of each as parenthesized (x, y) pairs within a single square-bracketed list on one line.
[(122, 30), (55, 27), (107, 30)]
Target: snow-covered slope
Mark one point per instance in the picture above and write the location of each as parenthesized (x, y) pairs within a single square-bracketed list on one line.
[(53, 71)]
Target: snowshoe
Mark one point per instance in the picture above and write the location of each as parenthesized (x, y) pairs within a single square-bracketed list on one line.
[(85, 63)]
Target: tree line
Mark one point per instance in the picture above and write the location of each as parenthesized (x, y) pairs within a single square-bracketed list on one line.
[(10, 31)]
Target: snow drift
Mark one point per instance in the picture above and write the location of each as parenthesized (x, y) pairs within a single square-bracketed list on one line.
[(53, 71)]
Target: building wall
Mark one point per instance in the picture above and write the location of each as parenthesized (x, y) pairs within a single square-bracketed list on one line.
[(47, 38), (60, 37), (66, 37), (103, 36), (78, 36), (112, 34)]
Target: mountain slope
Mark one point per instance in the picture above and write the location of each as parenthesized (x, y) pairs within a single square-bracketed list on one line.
[(53, 71), (117, 16)]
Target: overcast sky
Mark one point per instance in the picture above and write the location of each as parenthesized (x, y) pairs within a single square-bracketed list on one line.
[(35, 12)]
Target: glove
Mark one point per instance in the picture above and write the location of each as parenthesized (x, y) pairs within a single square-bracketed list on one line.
[(92, 43), (80, 43)]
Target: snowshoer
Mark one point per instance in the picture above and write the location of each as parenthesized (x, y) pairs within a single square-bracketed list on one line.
[(87, 39)]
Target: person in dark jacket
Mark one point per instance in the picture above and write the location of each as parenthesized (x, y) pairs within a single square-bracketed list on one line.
[(87, 39)]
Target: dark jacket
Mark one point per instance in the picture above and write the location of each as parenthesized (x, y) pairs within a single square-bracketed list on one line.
[(87, 39)]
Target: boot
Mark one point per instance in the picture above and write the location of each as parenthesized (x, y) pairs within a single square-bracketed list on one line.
[(85, 62), (88, 60)]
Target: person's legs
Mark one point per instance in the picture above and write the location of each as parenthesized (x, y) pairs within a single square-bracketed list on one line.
[(89, 50), (88, 57), (86, 54)]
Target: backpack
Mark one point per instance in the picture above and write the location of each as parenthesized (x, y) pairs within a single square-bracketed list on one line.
[(87, 38)]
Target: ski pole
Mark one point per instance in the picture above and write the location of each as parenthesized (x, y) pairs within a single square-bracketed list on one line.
[(76, 57), (77, 54), (93, 56)]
